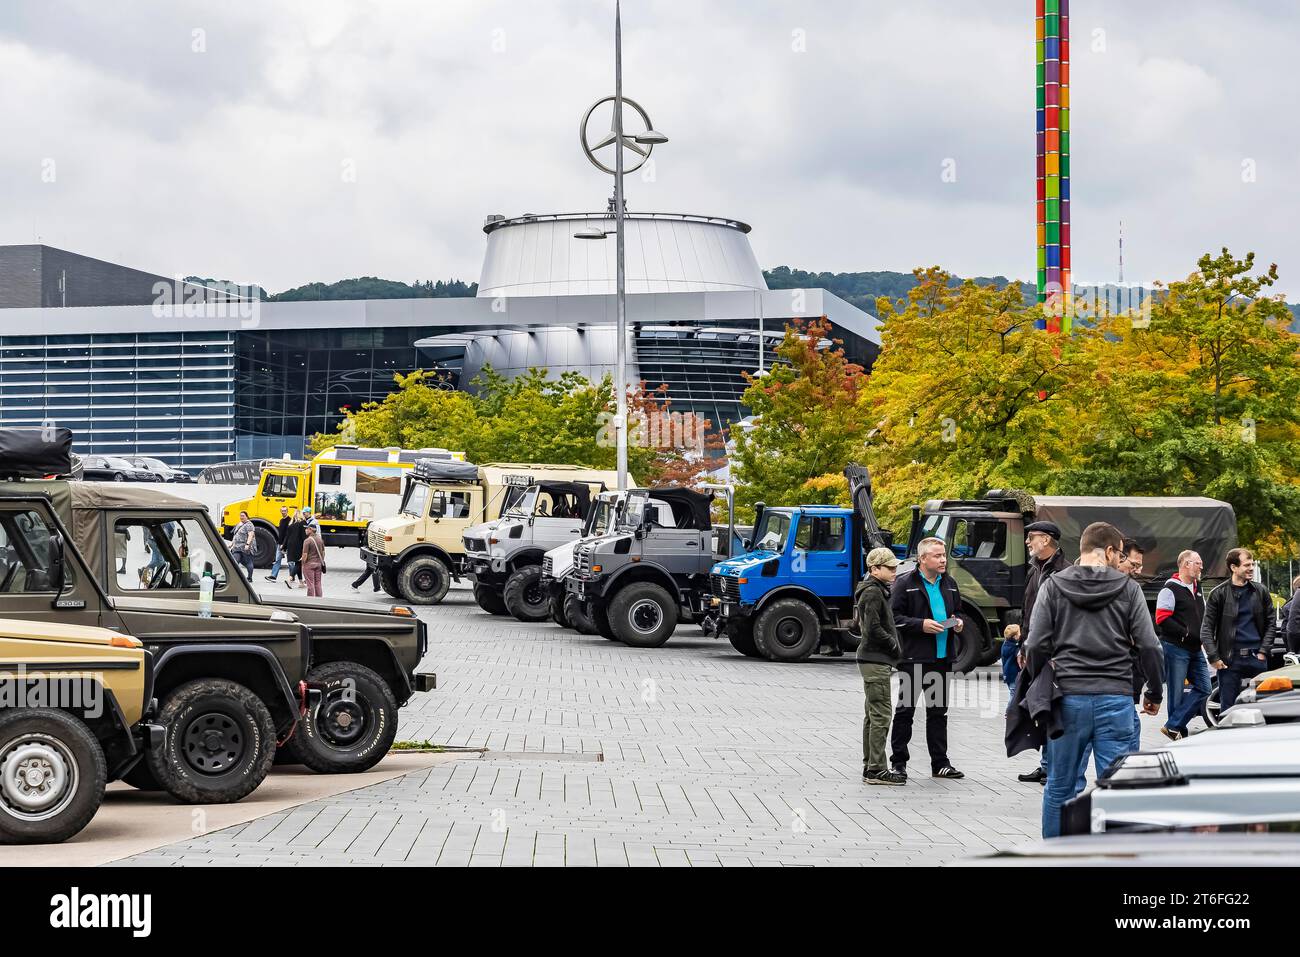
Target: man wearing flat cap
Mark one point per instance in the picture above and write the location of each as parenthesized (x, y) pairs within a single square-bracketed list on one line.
[(1043, 540)]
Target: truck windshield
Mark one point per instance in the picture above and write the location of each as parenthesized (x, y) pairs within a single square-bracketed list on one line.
[(521, 503), (417, 493), (772, 531), (598, 524)]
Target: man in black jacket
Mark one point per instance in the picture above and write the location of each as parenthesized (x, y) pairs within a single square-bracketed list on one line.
[(1238, 627), (878, 653), (1043, 541), (925, 602), (1086, 621), (1291, 617), (285, 519)]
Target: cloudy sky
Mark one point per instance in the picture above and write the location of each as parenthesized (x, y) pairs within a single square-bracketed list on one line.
[(287, 141)]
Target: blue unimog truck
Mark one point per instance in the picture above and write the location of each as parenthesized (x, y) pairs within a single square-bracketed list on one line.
[(792, 590)]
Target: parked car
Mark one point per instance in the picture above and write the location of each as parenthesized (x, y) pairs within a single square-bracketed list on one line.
[(1243, 775), (161, 469), (112, 468)]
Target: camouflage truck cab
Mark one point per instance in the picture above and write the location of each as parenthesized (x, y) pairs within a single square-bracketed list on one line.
[(986, 546)]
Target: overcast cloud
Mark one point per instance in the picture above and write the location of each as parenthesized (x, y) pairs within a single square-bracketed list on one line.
[(233, 162)]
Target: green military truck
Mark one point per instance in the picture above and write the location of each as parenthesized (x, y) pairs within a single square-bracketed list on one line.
[(363, 661), (74, 707), (985, 539)]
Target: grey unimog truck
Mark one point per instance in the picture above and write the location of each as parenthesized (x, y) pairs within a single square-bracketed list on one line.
[(637, 583), (145, 542), (986, 548), (505, 556), (229, 685)]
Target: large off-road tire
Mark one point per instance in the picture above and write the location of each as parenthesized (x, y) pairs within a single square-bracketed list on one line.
[(576, 611), (600, 620), (970, 645), (489, 599), (643, 615), (423, 580), (353, 724), (263, 548), (388, 582), (524, 596), (555, 603), (787, 630), (219, 744), (741, 636), (52, 776)]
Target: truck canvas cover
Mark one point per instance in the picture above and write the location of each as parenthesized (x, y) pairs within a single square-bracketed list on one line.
[(691, 509), (78, 504), (35, 453), (446, 470), (1162, 526)]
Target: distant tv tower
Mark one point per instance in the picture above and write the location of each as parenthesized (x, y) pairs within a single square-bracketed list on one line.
[(1052, 35)]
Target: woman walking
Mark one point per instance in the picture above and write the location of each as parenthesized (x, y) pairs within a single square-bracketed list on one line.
[(313, 562), (293, 538)]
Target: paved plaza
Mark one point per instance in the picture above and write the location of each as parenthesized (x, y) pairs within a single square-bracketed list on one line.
[(587, 752)]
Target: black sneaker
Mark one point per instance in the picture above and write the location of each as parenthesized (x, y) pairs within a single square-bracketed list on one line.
[(900, 770), (1036, 776), (869, 775), (270, 578), (948, 771), (888, 777)]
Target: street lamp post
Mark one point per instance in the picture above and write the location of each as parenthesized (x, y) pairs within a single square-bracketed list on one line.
[(649, 139)]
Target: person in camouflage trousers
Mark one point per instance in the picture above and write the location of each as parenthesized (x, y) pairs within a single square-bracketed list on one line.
[(878, 652)]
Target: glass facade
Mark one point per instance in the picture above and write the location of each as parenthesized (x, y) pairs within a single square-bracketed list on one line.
[(702, 364), (168, 395), (293, 383)]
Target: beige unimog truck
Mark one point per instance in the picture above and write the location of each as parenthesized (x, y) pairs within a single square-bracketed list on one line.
[(421, 550), (73, 706)]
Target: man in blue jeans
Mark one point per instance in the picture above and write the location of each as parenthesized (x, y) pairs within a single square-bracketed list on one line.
[(1086, 620), (1180, 609), (1238, 626)]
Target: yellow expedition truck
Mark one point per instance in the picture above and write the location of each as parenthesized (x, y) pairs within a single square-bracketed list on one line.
[(346, 488), (420, 550)]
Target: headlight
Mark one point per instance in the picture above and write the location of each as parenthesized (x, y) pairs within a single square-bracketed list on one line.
[(1143, 769)]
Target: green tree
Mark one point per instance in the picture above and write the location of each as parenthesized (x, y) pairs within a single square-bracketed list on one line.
[(968, 394), (806, 423), (1201, 400)]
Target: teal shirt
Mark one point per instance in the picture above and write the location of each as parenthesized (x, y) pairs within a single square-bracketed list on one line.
[(939, 612)]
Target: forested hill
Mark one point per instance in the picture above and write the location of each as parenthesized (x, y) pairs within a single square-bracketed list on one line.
[(369, 287), (861, 289)]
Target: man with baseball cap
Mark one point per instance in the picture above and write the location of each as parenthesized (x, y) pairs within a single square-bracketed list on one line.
[(878, 652), (1043, 540)]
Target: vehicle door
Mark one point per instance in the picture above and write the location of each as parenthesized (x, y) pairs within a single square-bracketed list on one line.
[(165, 555), (556, 518), (820, 556), (30, 540), (281, 487), (979, 546)]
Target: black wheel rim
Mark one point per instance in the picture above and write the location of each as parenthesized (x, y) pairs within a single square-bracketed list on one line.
[(426, 580), (342, 719), (534, 595), (213, 743), (789, 632)]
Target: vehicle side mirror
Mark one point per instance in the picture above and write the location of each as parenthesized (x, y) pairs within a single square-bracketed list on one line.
[(58, 567), (748, 544), (639, 533)]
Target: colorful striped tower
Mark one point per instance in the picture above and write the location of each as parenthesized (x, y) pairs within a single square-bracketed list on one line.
[(1052, 29)]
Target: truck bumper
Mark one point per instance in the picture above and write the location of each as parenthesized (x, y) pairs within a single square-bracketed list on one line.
[(425, 681), (376, 560), (486, 571), (586, 590)]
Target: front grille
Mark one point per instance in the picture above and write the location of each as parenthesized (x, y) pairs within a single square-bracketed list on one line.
[(475, 544), (548, 567), (375, 541), (725, 587), (582, 561)]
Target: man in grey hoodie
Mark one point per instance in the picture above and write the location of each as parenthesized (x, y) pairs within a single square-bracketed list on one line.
[(1086, 621)]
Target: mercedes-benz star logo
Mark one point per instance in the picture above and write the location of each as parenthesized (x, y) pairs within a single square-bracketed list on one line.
[(631, 110)]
